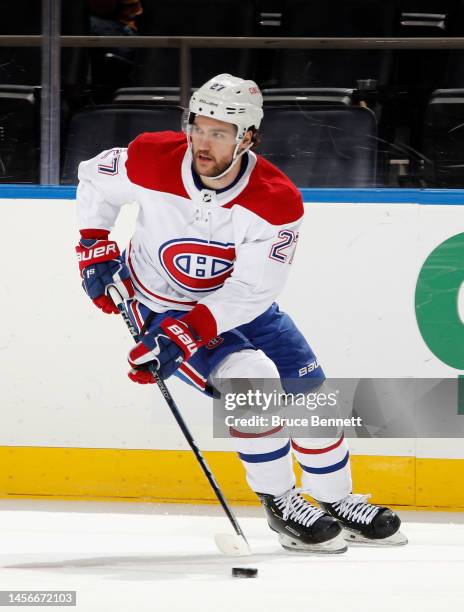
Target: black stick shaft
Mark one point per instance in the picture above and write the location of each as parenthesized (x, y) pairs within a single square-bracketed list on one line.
[(185, 430)]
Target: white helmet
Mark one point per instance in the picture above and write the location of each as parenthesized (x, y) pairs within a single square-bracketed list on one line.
[(230, 99)]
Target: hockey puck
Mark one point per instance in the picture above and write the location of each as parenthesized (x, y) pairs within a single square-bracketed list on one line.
[(244, 572)]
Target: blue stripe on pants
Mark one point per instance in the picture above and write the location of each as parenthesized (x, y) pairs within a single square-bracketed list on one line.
[(262, 457), (330, 468)]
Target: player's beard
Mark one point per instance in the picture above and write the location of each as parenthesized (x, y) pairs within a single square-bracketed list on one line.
[(215, 170)]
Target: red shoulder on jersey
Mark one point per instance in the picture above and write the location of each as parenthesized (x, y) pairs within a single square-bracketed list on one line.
[(154, 161), (271, 195)]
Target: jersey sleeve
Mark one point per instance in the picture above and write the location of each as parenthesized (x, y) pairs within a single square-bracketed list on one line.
[(261, 268), (102, 190)]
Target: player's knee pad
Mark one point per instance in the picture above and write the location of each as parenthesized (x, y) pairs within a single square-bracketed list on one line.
[(243, 372), (248, 364), (245, 364)]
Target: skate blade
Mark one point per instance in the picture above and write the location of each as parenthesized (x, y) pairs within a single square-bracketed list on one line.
[(397, 539), (334, 546)]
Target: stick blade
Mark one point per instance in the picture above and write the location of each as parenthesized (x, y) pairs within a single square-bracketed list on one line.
[(232, 544)]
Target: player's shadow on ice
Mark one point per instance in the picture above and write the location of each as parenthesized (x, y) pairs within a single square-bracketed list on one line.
[(151, 567)]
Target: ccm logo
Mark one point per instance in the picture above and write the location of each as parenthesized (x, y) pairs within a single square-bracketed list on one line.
[(185, 338), (89, 254)]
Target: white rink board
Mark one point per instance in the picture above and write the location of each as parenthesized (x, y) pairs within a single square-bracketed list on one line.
[(63, 363)]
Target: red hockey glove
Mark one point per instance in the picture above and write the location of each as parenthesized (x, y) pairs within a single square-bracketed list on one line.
[(101, 265)]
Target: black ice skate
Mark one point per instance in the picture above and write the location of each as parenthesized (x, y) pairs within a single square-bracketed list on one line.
[(365, 523), (301, 526)]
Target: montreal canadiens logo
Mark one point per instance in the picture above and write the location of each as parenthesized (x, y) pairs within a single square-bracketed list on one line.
[(214, 343), (197, 265)]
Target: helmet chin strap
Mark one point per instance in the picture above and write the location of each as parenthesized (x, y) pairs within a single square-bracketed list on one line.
[(236, 156)]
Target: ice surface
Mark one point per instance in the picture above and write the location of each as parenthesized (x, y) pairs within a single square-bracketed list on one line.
[(137, 557)]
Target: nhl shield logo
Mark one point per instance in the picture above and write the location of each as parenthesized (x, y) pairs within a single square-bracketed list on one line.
[(197, 265)]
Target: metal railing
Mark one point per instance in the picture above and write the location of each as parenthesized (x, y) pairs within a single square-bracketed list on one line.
[(51, 43)]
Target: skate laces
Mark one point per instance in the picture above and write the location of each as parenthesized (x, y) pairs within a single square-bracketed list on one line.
[(356, 508), (296, 508)]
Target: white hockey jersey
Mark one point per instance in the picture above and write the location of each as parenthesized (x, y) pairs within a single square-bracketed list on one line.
[(222, 256)]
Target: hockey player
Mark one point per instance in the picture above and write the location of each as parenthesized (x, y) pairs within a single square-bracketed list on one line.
[(214, 240)]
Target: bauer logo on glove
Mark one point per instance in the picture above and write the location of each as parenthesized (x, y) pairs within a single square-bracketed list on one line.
[(99, 253), (101, 265), (165, 348)]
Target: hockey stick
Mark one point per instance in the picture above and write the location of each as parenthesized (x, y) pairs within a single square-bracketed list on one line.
[(227, 543)]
